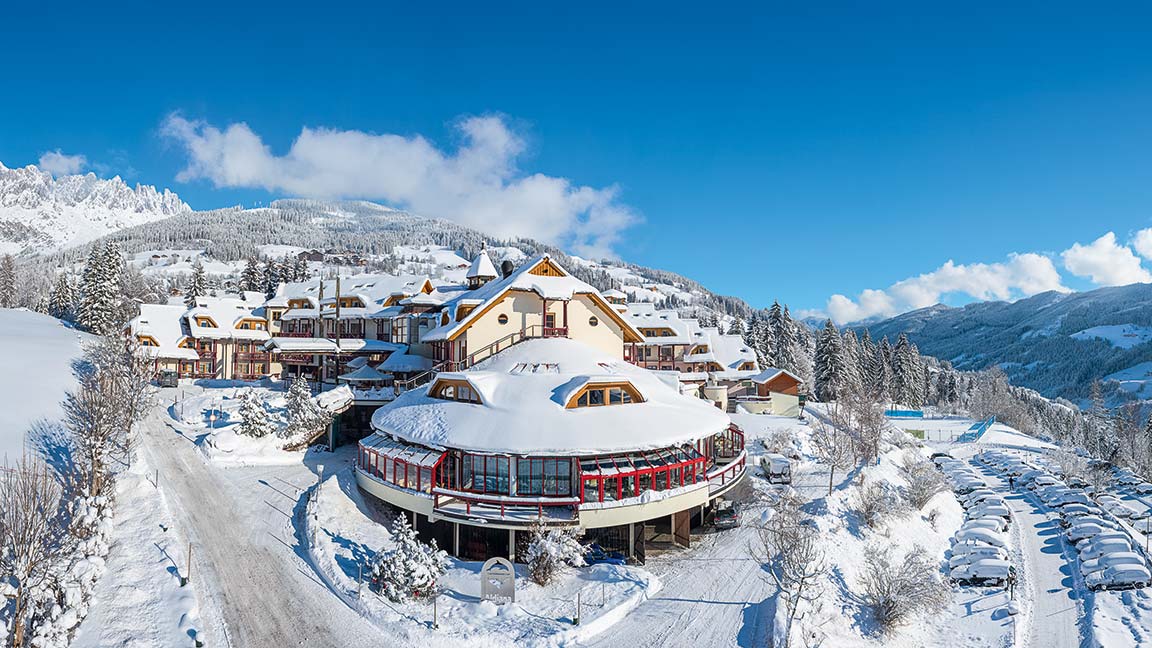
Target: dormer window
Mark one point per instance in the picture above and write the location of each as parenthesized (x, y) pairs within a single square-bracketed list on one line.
[(599, 395), (460, 391), (205, 322)]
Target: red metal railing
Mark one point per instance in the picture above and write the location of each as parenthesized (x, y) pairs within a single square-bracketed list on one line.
[(504, 502), (516, 337), (729, 472)]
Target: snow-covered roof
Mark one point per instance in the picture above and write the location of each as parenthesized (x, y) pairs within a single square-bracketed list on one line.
[(730, 351), (645, 315), (559, 288), (164, 323), (770, 373), (373, 290), (482, 267), (365, 374), (402, 362), (227, 312), (328, 345), (524, 391)]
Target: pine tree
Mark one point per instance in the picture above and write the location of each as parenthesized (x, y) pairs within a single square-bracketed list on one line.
[(408, 569), (7, 281), (100, 298), (907, 378), (272, 278), (254, 418), (737, 327), (305, 417), (550, 550), (880, 371), (830, 364), (851, 349), (62, 298), (252, 280), (197, 284), (300, 270)]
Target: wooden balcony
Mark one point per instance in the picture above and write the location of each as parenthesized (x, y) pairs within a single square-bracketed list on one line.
[(555, 331)]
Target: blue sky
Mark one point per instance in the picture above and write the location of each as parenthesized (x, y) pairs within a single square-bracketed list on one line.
[(772, 152)]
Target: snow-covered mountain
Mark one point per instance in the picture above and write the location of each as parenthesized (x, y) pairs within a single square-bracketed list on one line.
[(39, 213), (1056, 343)]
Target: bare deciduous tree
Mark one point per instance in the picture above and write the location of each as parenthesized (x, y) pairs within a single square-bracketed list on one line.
[(31, 534), (832, 447), (791, 554), (924, 481), (897, 588)]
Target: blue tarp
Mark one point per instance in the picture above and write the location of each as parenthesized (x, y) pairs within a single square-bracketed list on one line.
[(976, 431), (904, 414)]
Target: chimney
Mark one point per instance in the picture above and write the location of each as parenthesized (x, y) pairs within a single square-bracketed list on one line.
[(506, 268)]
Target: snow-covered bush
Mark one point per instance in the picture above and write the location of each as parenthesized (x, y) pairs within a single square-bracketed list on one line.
[(897, 588), (254, 418), (550, 550), (409, 568), (878, 500), (924, 481)]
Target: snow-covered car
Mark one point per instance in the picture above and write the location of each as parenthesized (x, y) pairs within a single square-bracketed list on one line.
[(1143, 488), (979, 536), (988, 509), (997, 524), (1072, 510), (1096, 548), (1071, 497), (1139, 514), (1110, 560), (975, 548), (1075, 520), (1123, 511), (1085, 530), (1042, 481), (974, 553), (986, 571), (1118, 577), (1026, 476), (963, 488), (980, 495)]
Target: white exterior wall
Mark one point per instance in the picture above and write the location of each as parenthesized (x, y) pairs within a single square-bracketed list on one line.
[(631, 513), (526, 309), (395, 496)]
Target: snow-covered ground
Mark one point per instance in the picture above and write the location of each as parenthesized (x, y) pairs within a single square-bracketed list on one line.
[(38, 353), (1123, 336)]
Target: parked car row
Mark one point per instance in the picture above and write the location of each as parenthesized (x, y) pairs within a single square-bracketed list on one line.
[(1107, 558), (979, 554)]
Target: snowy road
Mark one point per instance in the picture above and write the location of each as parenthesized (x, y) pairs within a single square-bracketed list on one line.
[(241, 524), (714, 595), (1056, 609)]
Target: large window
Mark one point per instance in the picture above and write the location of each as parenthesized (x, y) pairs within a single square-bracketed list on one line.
[(619, 477), (485, 474), (551, 477)]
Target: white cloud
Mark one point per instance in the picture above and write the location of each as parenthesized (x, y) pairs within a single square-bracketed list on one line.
[(1143, 243), (60, 164), (1021, 275), (1106, 262), (478, 185)]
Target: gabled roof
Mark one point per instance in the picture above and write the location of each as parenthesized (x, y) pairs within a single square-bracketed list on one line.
[(226, 312), (373, 290), (560, 288), (164, 323), (482, 267), (767, 375)]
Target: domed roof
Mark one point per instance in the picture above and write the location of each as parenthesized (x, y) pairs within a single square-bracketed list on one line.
[(524, 392), (482, 267)]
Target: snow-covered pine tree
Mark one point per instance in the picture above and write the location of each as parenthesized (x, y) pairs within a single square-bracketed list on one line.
[(550, 550), (100, 299), (304, 416), (300, 270), (851, 349), (272, 277), (830, 366), (907, 380), (254, 418), (780, 338), (7, 281), (880, 371), (408, 569), (62, 298), (737, 327), (252, 279), (802, 348), (197, 284)]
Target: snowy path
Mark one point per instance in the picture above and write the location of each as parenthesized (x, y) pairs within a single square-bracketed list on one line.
[(1056, 608), (714, 594), (241, 523)]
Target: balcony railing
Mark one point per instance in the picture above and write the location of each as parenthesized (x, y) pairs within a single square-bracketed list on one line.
[(483, 353), (295, 334), (507, 508), (206, 354), (555, 331)]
